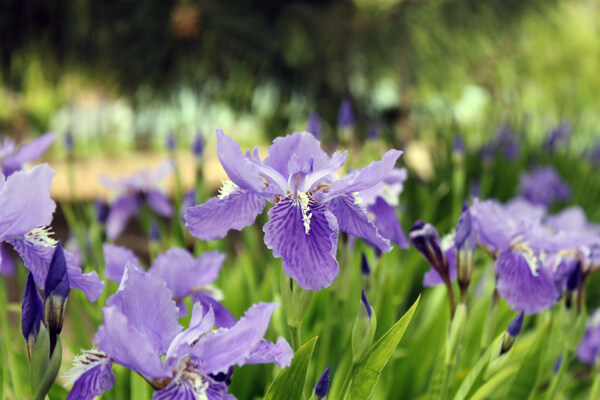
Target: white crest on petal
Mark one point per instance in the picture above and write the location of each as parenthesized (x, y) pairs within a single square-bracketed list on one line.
[(41, 236), (529, 256), (357, 198), (302, 198), (227, 187), (447, 241), (83, 362)]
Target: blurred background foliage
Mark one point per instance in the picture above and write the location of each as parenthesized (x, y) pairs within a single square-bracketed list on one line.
[(131, 71)]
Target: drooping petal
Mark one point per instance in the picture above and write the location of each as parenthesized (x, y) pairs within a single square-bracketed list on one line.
[(183, 273), (129, 345), (213, 219), (27, 153), (303, 144), (147, 304), (91, 375), (266, 352), (523, 283), (25, 202), (387, 222), (37, 256), (160, 203), (353, 219), (7, 263), (366, 177), (223, 348), (305, 240), (115, 259), (121, 211), (239, 169)]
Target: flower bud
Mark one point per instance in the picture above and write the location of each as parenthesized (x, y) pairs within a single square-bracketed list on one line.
[(465, 243), (322, 386), (314, 125), (426, 239), (513, 330), (101, 209), (364, 265), (56, 292), (69, 141), (171, 141), (32, 314), (374, 131), (154, 234), (346, 121), (363, 330), (198, 145)]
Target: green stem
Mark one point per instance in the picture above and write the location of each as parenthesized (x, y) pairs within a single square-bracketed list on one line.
[(296, 335), (348, 379), (446, 380), (566, 358), (595, 392), (6, 340)]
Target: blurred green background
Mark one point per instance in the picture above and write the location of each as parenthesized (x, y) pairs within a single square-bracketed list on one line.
[(127, 72)]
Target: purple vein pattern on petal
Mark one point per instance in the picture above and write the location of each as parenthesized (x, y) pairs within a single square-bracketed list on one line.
[(238, 168), (116, 258), (28, 152), (224, 347), (520, 287), (353, 219), (95, 378), (183, 273), (25, 201), (213, 219), (308, 257), (37, 257), (146, 302), (366, 177), (121, 211), (303, 144)]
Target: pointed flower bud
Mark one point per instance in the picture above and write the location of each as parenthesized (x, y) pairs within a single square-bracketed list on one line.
[(154, 234), (374, 131), (198, 145), (346, 114), (458, 145), (513, 330), (363, 330), (101, 209), (425, 238), (314, 125), (322, 386), (465, 243), (364, 265), (32, 314), (56, 292)]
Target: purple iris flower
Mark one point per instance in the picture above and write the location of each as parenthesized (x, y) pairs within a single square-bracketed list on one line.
[(374, 131), (12, 159), (346, 114), (543, 186), (380, 200), (189, 200), (513, 233), (314, 125), (433, 277), (507, 142), (594, 154), (558, 136), (458, 145), (588, 350), (140, 332), (198, 145), (25, 212), (133, 192), (184, 275), (311, 206)]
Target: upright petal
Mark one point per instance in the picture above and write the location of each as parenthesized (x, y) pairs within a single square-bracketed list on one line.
[(213, 219), (353, 219), (223, 348), (27, 153), (305, 237), (183, 273), (147, 304), (160, 203), (91, 375), (115, 259), (523, 283), (25, 202), (223, 317), (366, 177), (239, 169), (303, 144), (387, 222), (121, 211)]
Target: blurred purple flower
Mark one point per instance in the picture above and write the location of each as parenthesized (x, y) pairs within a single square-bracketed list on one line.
[(558, 136), (507, 142), (374, 131), (588, 350), (170, 142), (543, 186), (198, 145), (12, 159), (314, 125), (132, 193), (140, 332), (346, 114), (458, 145), (310, 204)]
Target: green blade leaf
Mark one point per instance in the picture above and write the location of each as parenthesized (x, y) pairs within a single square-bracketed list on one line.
[(370, 367), (490, 386), (527, 377), (50, 373), (289, 384)]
